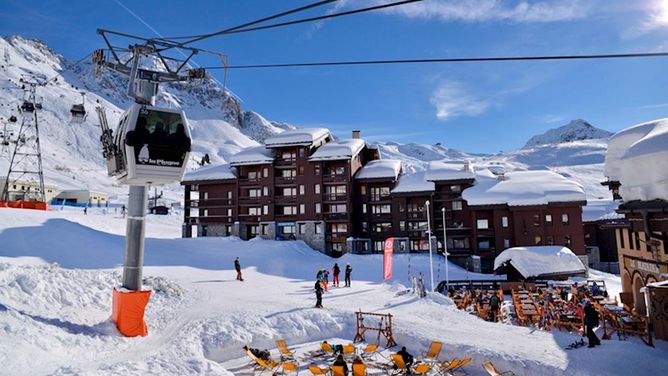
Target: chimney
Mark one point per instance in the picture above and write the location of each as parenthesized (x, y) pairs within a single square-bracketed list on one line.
[(356, 134)]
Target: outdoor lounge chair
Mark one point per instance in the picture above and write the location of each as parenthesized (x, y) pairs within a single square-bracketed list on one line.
[(434, 350), (283, 349), (447, 367), (369, 351), (317, 370), (492, 371), (264, 365), (421, 369), (349, 349), (338, 371), (327, 348), (462, 363), (399, 364), (290, 367), (359, 369)]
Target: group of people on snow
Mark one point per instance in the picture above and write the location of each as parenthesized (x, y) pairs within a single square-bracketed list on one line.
[(322, 281)]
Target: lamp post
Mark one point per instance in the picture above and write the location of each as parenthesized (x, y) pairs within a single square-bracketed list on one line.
[(445, 252), (431, 263)]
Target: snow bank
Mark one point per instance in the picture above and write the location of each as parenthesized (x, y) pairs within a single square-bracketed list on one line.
[(251, 156), (336, 150), (380, 168), (415, 182), (540, 260), (524, 188), (301, 136), (216, 172), (637, 158), (438, 171)]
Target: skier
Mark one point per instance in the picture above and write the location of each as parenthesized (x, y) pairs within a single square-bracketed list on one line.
[(237, 266), (325, 279), (123, 210), (335, 272), (85, 210), (318, 294), (591, 321), (349, 269)]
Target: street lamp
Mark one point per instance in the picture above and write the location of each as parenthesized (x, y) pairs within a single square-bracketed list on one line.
[(431, 264), (445, 252)]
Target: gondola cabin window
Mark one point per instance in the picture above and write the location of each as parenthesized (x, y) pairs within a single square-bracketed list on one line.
[(159, 139)]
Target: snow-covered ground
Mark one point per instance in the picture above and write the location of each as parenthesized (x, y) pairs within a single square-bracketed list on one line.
[(57, 270)]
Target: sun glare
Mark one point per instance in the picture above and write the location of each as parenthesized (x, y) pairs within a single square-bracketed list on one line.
[(661, 16)]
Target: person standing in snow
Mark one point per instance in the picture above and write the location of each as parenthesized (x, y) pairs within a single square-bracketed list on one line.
[(326, 279), (406, 356), (349, 270), (237, 266), (318, 294), (335, 272), (85, 210), (494, 307), (591, 321)]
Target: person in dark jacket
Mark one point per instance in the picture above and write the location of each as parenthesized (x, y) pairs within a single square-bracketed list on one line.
[(237, 266), (494, 307), (318, 294), (591, 322), (408, 358), (335, 272), (341, 363), (349, 269)]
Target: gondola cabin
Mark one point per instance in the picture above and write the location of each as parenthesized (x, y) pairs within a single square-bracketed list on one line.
[(78, 113), (27, 107), (154, 145)]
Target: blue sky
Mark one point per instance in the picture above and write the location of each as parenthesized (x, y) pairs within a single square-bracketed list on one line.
[(475, 107)]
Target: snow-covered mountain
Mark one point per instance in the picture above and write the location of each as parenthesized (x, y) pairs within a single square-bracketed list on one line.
[(576, 130)]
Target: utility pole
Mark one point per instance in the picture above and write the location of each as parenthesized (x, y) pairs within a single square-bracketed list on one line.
[(445, 252), (431, 263)]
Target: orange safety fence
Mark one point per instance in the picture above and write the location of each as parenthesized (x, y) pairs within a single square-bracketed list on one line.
[(128, 312), (37, 205)]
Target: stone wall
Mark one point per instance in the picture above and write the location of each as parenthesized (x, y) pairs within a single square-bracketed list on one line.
[(315, 241)]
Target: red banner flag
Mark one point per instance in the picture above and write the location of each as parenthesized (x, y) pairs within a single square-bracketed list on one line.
[(387, 258)]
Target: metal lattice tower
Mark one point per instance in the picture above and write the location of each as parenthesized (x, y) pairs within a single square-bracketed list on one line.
[(25, 165)]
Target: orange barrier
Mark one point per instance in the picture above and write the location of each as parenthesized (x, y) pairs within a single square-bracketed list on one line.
[(128, 312), (37, 205)]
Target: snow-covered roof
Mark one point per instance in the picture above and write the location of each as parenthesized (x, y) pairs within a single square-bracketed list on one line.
[(521, 188), (540, 260), (438, 171), (380, 168), (637, 158), (301, 136), (336, 150), (252, 156), (414, 182), (216, 172)]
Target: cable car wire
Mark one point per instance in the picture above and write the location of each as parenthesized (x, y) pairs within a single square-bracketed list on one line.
[(448, 60), (195, 38), (311, 19)]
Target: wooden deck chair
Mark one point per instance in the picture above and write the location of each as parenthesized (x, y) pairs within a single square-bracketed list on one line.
[(421, 369), (492, 371), (349, 349), (283, 349), (461, 364), (338, 371), (359, 369), (290, 367), (434, 350), (315, 370)]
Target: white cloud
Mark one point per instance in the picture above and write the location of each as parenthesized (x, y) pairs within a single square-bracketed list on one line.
[(524, 11), (451, 99)]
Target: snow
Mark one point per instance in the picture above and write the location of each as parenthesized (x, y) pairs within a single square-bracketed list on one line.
[(252, 156), (540, 260), (637, 159), (214, 172), (414, 182), (439, 171), (301, 136), (600, 210), (574, 131), (336, 150), (524, 188), (380, 168), (58, 268)]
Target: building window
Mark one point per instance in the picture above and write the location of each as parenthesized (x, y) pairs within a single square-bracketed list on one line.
[(301, 170), (253, 211), (252, 175), (483, 244), (537, 240), (379, 246), (289, 210), (548, 219), (318, 228), (365, 226), (206, 195), (254, 230), (382, 227), (462, 243), (402, 225), (301, 152), (290, 192), (504, 222), (338, 228), (364, 208), (455, 188), (302, 228), (265, 209), (287, 230), (317, 169), (337, 208), (380, 193), (506, 243), (362, 190), (549, 240), (456, 205), (228, 230), (254, 192), (302, 208), (564, 219), (318, 208), (229, 212), (206, 212), (229, 195), (567, 240), (536, 220), (301, 189), (265, 172), (337, 247), (265, 229), (289, 155), (317, 189), (620, 233), (482, 224), (381, 209)]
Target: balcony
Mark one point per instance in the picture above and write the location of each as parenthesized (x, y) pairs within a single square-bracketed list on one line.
[(485, 233), (417, 215), (285, 199), (335, 216), (281, 180), (379, 217), (336, 237), (334, 179), (285, 163), (334, 198), (417, 234), (245, 217), (210, 203), (378, 198), (247, 200)]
